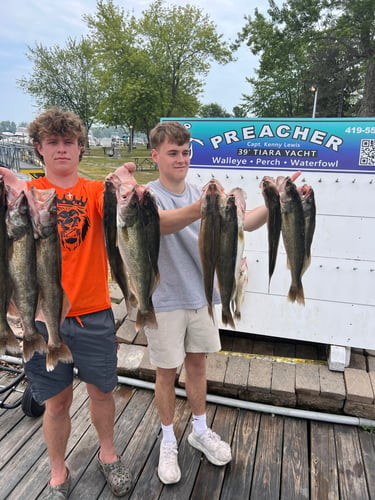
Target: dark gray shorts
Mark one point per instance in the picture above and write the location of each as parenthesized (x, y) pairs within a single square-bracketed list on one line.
[(94, 349)]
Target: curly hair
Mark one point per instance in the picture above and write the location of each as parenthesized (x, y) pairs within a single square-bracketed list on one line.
[(171, 131), (57, 122)]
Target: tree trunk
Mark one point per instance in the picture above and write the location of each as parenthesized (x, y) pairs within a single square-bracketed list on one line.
[(367, 107)]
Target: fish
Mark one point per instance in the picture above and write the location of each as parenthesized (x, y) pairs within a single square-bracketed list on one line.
[(8, 340), (209, 235), (22, 271), (272, 200), (134, 248), (227, 256), (309, 210), (241, 284), (240, 198), (53, 303), (293, 233), (151, 221), (116, 263)]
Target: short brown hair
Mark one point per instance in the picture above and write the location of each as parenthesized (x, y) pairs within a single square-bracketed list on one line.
[(57, 122), (171, 131)]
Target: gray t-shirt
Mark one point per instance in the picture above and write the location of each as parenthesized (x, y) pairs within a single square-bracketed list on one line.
[(181, 279)]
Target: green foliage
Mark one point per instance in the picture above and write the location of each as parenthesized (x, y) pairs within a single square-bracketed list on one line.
[(326, 43), (64, 77), (7, 126), (153, 65), (213, 110)]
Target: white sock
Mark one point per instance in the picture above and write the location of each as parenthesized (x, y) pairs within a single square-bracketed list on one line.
[(168, 433), (199, 424)]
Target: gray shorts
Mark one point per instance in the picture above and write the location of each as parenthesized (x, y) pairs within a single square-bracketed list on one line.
[(94, 349), (180, 332)]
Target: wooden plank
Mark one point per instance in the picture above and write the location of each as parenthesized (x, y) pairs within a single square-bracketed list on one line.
[(295, 476), (190, 461), (268, 459), (149, 484), (210, 477), (88, 481), (323, 463), (239, 473), (351, 469), (33, 464), (367, 440)]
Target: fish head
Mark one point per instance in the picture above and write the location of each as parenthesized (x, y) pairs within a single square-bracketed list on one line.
[(17, 216), (266, 182), (128, 204), (43, 210), (213, 186)]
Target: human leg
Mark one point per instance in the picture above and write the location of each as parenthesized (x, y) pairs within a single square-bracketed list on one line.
[(56, 429), (102, 410), (168, 469)]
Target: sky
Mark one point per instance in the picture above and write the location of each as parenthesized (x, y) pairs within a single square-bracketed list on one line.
[(29, 22)]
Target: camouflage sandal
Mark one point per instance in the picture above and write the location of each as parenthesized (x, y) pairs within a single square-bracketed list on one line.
[(119, 478), (60, 491)]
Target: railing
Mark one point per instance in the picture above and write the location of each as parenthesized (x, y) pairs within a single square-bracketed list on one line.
[(20, 158)]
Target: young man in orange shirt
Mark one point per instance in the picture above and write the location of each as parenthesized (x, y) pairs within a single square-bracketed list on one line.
[(88, 328)]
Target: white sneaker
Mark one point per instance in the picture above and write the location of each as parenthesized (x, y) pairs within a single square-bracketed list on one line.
[(168, 470), (217, 451)]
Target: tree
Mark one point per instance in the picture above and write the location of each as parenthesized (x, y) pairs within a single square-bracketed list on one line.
[(325, 43), (213, 110), (7, 126), (64, 77), (153, 66)]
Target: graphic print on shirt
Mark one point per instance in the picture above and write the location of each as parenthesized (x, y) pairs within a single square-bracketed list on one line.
[(72, 220)]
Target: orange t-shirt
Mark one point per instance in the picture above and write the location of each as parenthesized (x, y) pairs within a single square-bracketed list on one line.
[(84, 258)]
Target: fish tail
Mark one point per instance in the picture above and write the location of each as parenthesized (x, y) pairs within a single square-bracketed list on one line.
[(12, 343), (32, 344), (227, 318), (237, 314), (58, 353), (296, 294), (147, 318), (9, 343)]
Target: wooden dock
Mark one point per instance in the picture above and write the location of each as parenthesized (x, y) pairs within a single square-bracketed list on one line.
[(274, 457)]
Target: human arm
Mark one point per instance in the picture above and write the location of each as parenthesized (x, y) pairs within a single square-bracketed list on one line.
[(173, 220), (255, 218)]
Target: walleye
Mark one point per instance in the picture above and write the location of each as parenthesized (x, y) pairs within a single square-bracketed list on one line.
[(240, 199), (137, 251), (22, 271), (293, 232), (116, 263), (8, 341), (209, 235), (227, 256), (309, 210), (272, 201), (53, 303), (241, 284)]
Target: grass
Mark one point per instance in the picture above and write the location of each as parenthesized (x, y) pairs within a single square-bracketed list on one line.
[(96, 164)]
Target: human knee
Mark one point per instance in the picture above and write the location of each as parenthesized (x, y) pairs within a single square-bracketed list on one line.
[(97, 395), (58, 406)]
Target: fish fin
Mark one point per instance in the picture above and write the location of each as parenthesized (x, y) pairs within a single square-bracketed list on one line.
[(227, 318), (296, 294), (12, 344), (65, 307), (34, 343), (58, 353), (237, 315), (306, 264)]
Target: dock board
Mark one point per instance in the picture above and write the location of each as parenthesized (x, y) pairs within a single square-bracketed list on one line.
[(274, 457)]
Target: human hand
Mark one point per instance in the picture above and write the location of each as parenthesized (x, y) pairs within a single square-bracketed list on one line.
[(11, 180)]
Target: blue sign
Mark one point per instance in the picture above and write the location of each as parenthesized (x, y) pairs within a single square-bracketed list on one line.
[(319, 145)]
